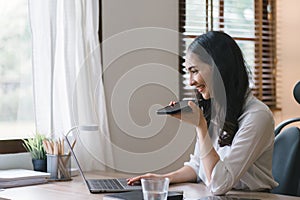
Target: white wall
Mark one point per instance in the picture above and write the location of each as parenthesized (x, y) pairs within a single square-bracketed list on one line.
[(288, 73), (140, 56)]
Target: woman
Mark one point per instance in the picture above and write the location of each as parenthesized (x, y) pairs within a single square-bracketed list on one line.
[(234, 130)]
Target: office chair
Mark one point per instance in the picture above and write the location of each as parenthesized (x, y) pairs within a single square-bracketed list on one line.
[(286, 155)]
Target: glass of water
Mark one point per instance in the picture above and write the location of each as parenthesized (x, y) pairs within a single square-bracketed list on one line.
[(155, 188)]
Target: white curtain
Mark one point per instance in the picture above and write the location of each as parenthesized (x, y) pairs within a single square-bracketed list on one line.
[(67, 75)]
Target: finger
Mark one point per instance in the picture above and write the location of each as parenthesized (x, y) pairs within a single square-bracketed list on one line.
[(193, 106), (172, 103), (176, 115), (198, 114), (135, 180), (130, 181), (136, 183)]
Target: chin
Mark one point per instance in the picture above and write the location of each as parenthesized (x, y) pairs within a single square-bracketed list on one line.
[(205, 96)]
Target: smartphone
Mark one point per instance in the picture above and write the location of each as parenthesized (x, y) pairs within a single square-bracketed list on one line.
[(180, 106)]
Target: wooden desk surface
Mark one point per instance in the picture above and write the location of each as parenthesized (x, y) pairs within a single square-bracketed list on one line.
[(76, 189)]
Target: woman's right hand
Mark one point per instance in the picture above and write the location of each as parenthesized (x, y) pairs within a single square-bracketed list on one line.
[(137, 180), (195, 117)]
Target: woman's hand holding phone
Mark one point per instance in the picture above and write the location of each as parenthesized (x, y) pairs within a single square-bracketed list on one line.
[(194, 117), (185, 110)]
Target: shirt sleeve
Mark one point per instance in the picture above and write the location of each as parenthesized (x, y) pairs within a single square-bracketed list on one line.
[(251, 140), (194, 161)]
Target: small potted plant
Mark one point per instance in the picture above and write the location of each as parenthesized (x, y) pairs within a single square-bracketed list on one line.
[(35, 146)]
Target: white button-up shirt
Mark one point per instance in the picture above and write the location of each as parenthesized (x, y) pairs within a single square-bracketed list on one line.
[(247, 163)]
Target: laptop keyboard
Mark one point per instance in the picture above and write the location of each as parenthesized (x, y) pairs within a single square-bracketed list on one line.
[(105, 184)]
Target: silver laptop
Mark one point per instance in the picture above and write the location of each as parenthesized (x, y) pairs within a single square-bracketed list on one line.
[(103, 185)]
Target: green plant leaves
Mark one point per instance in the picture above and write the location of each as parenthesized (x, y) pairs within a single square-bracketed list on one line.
[(35, 146)]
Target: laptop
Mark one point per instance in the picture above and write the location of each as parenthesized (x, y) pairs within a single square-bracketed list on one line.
[(103, 185)]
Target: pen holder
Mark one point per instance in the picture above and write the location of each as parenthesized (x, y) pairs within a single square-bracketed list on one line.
[(59, 167)]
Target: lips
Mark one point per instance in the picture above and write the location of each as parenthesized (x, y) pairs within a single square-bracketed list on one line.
[(201, 88)]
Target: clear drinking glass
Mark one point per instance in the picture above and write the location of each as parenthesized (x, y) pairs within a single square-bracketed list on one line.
[(155, 188)]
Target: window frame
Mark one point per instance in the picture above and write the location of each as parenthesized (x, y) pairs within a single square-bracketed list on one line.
[(11, 146)]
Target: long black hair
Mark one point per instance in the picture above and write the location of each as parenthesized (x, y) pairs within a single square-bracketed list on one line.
[(225, 54)]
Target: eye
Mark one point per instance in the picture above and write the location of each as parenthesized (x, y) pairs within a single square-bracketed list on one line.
[(194, 71)]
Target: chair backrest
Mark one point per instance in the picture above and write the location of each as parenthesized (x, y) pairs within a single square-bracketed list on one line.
[(286, 162), (296, 92)]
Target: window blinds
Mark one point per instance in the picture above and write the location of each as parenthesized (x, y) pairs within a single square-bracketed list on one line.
[(251, 23)]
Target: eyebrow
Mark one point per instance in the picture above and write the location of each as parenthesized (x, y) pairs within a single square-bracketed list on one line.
[(190, 68)]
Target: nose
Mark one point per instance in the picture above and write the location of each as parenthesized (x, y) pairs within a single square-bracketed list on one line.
[(191, 80)]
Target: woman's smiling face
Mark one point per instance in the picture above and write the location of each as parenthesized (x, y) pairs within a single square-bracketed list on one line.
[(199, 74)]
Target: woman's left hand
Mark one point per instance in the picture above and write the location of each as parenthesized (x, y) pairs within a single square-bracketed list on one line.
[(137, 180), (195, 117)]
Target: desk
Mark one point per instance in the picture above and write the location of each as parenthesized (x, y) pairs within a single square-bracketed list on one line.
[(76, 189)]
